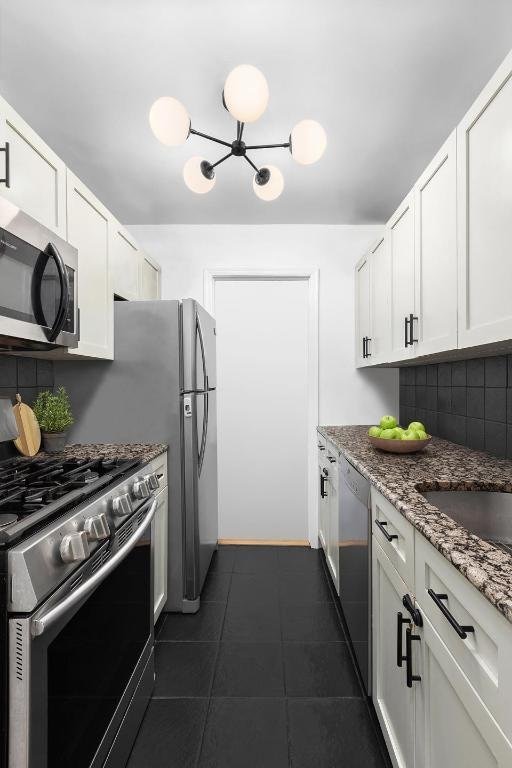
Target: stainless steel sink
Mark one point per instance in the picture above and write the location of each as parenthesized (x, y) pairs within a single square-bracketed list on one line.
[(487, 514)]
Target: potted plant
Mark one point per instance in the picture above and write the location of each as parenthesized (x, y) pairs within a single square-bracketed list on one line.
[(53, 412)]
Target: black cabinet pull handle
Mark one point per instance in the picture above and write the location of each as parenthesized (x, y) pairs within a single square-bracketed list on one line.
[(460, 630), (389, 536), (409, 637), (6, 150), (415, 612), (364, 347), (322, 490), (406, 331), (412, 340), (368, 353), (400, 621)]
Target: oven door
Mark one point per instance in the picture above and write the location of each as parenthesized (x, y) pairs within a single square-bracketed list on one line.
[(81, 666)]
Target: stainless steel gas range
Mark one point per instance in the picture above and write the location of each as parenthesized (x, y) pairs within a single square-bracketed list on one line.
[(76, 549)]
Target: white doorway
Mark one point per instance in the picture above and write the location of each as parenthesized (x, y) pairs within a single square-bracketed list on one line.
[(267, 377)]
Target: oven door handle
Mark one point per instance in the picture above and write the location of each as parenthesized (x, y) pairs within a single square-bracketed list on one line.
[(43, 623)]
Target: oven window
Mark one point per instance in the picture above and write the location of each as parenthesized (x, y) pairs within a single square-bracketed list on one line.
[(92, 659), (23, 291)]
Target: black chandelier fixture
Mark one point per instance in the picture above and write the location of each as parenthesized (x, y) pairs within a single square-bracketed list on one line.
[(245, 96)]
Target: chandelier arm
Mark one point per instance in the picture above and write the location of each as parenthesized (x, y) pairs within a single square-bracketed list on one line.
[(222, 159), (269, 146), (241, 130), (251, 163), (210, 138)]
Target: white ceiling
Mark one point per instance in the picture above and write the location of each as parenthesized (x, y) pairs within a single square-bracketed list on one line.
[(388, 79)]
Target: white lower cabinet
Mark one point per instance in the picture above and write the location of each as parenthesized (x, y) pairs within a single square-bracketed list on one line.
[(452, 725), (160, 553), (448, 704), (333, 557), (392, 699)]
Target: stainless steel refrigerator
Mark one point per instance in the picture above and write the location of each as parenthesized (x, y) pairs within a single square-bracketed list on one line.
[(161, 389)]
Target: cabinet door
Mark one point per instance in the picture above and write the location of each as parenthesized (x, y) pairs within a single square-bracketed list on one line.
[(323, 511), (484, 183), (125, 267), (453, 727), (160, 554), (400, 229), (435, 211), (362, 278), (333, 556), (88, 231), (149, 279), (37, 177), (393, 701), (380, 304)]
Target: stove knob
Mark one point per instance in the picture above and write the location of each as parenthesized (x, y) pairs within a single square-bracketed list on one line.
[(121, 505), (141, 489), (74, 547), (96, 527), (152, 481)]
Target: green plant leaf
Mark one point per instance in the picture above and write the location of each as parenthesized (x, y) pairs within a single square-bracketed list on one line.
[(53, 410)]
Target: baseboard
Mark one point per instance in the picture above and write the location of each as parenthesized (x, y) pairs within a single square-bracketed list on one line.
[(266, 542)]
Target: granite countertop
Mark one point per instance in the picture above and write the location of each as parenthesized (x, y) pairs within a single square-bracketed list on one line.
[(144, 451), (440, 466)]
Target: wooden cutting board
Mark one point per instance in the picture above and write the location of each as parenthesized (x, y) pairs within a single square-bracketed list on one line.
[(29, 440)]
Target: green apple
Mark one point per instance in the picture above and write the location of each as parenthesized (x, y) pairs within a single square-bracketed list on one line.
[(388, 422), (374, 431), (388, 434), (410, 434), (417, 425), (399, 431), (422, 435)]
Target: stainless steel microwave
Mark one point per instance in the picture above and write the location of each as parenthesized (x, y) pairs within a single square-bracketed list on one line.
[(38, 284)]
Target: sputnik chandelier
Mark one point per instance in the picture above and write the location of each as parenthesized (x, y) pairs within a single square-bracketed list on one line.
[(245, 96)]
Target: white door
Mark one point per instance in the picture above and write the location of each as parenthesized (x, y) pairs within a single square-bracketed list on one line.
[(88, 231), (380, 301), (393, 700), (37, 176), (484, 190), (262, 408), (363, 320), (400, 230), (435, 210), (453, 727)]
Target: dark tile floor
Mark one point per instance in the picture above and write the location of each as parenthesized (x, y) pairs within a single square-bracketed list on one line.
[(261, 677)]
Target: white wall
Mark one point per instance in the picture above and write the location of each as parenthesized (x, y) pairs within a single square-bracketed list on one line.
[(347, 396)]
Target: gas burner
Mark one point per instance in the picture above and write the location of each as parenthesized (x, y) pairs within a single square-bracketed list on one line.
[(7, 520)]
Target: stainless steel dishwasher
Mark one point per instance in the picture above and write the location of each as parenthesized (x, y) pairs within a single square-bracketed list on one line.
[(355, 563)]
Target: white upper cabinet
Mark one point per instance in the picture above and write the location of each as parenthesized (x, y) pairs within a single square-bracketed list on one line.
[(125, 264), (435, 211), (380, 288), (484, 148), (150, 287), (88, 230), (363, 317), (36, 177), (400, 229)]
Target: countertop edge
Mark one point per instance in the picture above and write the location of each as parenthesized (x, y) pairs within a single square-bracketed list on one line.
[(456, 555)]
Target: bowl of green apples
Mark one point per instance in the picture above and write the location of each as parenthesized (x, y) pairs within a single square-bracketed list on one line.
[(392, 438)]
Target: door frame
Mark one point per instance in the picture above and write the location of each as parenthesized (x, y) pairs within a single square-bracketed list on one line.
[(210, 277)]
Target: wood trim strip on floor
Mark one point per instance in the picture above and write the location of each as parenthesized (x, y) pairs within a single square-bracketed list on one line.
[(266, 542)]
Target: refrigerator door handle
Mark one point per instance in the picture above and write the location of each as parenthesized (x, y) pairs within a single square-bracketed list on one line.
[(205, 433), (199, 331)]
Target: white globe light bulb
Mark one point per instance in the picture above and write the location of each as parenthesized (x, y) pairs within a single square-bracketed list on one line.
[(194, 177), (246, 93), (169, 121), (273, 187), (308, 142)]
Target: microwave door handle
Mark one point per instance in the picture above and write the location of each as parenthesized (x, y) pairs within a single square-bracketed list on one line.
[(43, 623), (62, 312)]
